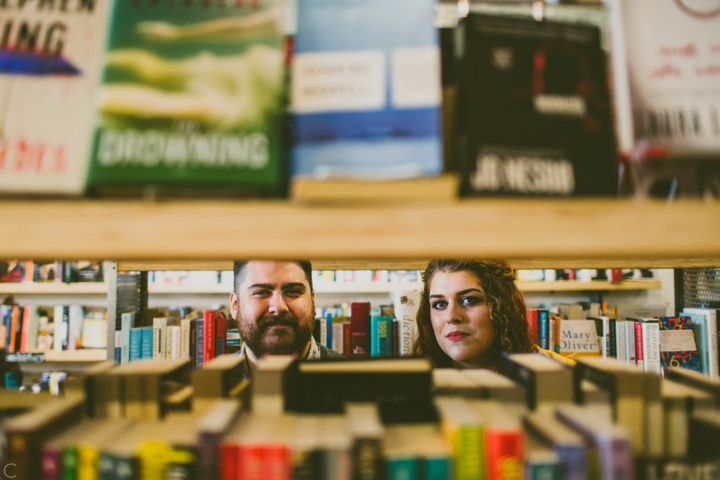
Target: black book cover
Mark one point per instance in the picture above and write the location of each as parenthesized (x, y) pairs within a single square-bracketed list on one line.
[(535, 112)]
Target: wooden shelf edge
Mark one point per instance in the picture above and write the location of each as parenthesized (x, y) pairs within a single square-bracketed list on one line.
[(83, 355), (596, 285), (50, 288)]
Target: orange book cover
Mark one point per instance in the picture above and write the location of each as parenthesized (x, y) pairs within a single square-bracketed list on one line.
[(505, 453), (25, 328), (13, 329)]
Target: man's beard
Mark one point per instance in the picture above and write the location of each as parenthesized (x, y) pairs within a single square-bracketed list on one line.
[(291, 339)]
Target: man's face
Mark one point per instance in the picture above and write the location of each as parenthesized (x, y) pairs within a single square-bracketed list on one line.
[(274, 307)]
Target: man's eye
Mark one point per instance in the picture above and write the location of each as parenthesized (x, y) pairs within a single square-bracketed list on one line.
[(260, 293), (294, 292), (440, 304)]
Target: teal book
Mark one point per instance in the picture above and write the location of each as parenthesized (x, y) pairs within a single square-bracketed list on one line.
[(135, 344), (381, 339), (146, 343), (193, 98), (401, 468), (438, 468)]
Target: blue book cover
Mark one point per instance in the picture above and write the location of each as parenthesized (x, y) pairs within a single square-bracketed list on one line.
[(200, 323), (402, 468), (544, 323), (118, 354), (381, 336), (366, 105), (146, 343), (135, 344), (573, 461), (329, 330)]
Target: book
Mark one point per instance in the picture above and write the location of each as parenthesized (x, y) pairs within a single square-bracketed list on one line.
[(146, 347), (696, 380), (173, 342), (160, 325), (338, 341), (534, 325), (677, 343), (546, 381), (463, 429), (198, 93), (579, 338), (710, 337), (679, 402), (527, 126), (407, 333), (478, 383), (366, 106), (53, 62), (568, 446), (127, 322), (381, 338), (367, 432), (648, 330), (544, 325), (504, 441), (209, 327), (199, 343), (135, 344), (360, 336)]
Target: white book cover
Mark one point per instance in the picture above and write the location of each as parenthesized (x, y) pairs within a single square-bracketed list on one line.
[(551, 333), (185, 325), (77, 317), (620, 341), (323, 331), (159, 337), (630, 354), (173, 342), (651, 347), (52, 58), (127, 321), (665, 72), (711, 340), (60, 328), (579, 337), (407, 333), (338, 338)]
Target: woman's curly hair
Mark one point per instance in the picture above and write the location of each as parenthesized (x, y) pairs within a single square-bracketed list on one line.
[(507, 308)]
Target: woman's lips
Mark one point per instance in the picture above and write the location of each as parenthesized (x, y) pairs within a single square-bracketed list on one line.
[(456, 336)]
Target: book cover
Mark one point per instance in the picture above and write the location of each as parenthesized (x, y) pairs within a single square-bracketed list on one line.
[(76, 320), (193, 96), (677, 343), (381, 338), (535, 117), (117, 356), (578, 337), (185, 327), (533, 325), (160, 337), (709, 318), (650, 331), (208, 344), (51, 66), (220, 333), (639, 340), (337, 333), (135, 350), (173, 342), (329, 329), (360, 329), (146, 347), (31, 324), (199, 342), (347, 339), (366, 105), (127, 322), (543, 323)]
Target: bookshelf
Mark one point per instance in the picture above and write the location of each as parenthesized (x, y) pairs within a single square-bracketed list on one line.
[(83, 355), (530, 233), (52, 288)]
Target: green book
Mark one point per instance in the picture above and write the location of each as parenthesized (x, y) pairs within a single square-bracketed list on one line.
[(193, 98)]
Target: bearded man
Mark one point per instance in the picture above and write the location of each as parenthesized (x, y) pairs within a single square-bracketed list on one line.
[(274, 305)]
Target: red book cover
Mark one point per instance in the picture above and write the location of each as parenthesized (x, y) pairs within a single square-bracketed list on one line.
[(505, 454), (208, 336), (534, 325), (229, 461), (13, 329), (51, 463), (347, 335), (639, 343), (276, 462), (220, 334), (250, 462), (25, 328), (360, 329)]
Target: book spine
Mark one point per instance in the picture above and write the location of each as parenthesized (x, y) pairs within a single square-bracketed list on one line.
[(208, 335), (51, 464), (542, 471), (70, 462), (229, 461), (14, 326), (621, 340), (322, 335), (558, 336), (250, 461), (505, 454), (329, 324), (185, 338), (338, 341), (192, 349), (159, 337), (712, 328), (534, 326), (551, 333), (468, 452), (613, 339), (366, 459), (381, 336), (639, 352), (438, 468), (33, 328), (543, 326), (76, 316), (401, 469), (347, 339), (630, 347), (88, 457), (199, 343), (395, 338), (360, 329), (126, 323), (118, 349), (147, 342), (135, 352), (220, 334), (651, 347), (25, 328), (573, 461), (173, 342)]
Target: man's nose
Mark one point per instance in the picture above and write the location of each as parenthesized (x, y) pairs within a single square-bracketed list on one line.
[(277, 304)]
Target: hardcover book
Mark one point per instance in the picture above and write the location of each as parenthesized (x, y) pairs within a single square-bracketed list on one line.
[(366, 105), (535, 116), (193, 97), (677, 344), (51, 65)]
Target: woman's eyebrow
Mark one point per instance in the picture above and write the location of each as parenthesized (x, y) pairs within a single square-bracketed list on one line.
[(470, 290)]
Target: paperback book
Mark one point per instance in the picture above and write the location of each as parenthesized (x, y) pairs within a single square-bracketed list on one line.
[(535, 115), (192, 98)]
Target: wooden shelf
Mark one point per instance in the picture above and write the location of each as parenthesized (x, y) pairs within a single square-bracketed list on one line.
[(83, 355), (594, 286), (54, 288), (530, 233)]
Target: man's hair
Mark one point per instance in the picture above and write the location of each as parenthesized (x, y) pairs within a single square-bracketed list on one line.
[(239, 271)]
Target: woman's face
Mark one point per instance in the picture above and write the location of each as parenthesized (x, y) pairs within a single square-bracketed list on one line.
[(460, 317)]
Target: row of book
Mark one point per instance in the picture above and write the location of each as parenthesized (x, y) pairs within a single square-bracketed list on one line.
[(28, 328), (365, 276), (199, 337), (29, 271), (360, 106), (390, 419)]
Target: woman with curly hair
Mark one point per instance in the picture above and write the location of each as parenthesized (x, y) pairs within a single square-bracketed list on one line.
[(471, 312)]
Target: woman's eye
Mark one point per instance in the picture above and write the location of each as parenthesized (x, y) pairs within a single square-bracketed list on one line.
[(439, 304), (472, 300)]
